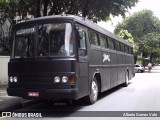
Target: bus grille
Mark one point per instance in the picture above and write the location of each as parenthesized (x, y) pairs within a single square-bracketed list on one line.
[(35, 79)]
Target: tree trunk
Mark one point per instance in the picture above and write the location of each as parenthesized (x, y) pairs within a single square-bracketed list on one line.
[(45, 2), (37, 8), (151, 58), (135, 58), (84, 12)]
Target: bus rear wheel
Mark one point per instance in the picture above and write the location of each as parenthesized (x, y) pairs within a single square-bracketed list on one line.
[(92, 97)]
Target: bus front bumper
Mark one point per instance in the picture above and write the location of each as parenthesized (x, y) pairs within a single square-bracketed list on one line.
[(43, 93)]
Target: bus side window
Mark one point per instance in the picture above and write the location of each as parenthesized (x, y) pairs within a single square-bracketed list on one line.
[(122, 47), (93, 37), (111, 43), (103, 41), (127, 49), (117, 46), (82, 43), (130, 50)]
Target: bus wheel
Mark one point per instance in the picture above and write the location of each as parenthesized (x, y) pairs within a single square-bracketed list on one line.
[(92, 97), (126, 80)]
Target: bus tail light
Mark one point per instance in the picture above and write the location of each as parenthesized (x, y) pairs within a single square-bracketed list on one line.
[(72, 79)]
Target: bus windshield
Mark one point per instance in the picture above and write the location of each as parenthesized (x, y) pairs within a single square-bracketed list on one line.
[(54, 39)]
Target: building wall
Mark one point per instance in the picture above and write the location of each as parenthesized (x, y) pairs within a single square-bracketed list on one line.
[(4, 70)]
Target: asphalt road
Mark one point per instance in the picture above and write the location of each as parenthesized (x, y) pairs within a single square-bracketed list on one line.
[(143, 94)]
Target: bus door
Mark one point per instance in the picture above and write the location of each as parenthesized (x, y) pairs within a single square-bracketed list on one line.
[(83, 62)]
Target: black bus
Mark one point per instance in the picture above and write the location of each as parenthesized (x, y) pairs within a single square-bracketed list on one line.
[(66, 57)]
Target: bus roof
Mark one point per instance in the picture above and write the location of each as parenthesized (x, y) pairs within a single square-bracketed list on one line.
[(82, 21)]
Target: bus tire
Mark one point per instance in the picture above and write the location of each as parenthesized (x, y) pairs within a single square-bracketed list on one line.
[(126, 79), (92, 97)]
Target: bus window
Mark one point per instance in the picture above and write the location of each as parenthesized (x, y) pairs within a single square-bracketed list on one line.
[(103, 41), (126, 49), (130, 50), (122, 47), (82, 43), (93, 38), (55, 39), (111, 43), (117, 46), (24, 42)]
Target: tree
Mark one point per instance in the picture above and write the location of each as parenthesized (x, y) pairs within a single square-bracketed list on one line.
[(151, 44), (8, 9), (124, 34), (140, 23), (95, 10), (144, 27)]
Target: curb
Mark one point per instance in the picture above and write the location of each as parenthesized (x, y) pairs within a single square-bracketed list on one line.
[(14, 103), (10, 103)]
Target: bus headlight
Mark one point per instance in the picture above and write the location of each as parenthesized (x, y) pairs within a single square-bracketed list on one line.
[(15, 79), (64, 79), (11, 79), (57, 79)]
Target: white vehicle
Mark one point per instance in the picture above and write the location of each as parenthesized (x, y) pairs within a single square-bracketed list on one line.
[(139, 68)]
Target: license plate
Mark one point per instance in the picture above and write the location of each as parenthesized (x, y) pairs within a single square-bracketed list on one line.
[(33, 94)]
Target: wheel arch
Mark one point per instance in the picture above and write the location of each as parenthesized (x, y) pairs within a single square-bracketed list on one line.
[(97, 76)]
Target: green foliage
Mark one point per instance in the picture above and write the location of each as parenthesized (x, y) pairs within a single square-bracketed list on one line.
[(95, 10), (124, 34), (8, 8), (151, 44), (101, 9), (140, 23), (145, 29)]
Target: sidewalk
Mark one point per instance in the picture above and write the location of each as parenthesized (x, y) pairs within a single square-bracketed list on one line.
[(9, 103), (3, 91)]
